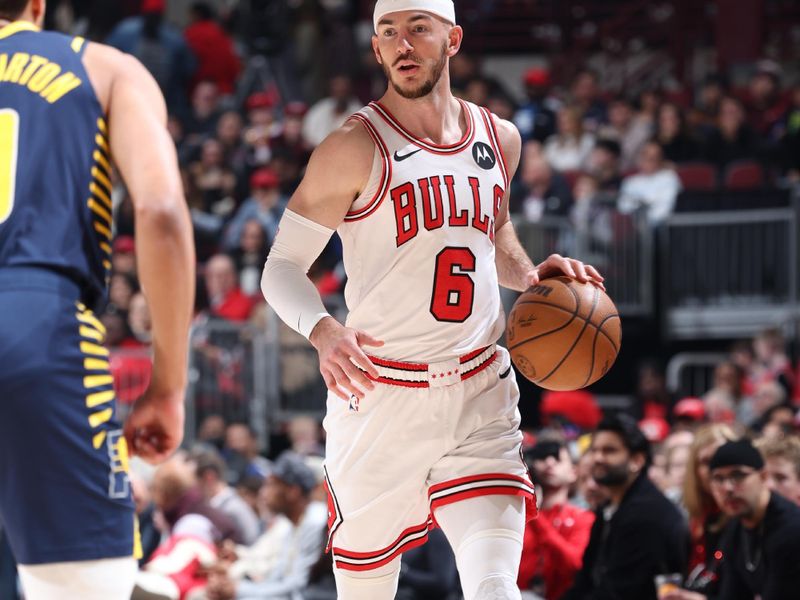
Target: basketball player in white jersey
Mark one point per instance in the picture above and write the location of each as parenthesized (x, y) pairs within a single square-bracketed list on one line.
[(422, 426)]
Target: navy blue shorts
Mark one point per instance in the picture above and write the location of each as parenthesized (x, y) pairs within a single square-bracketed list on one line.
[(64, 488)]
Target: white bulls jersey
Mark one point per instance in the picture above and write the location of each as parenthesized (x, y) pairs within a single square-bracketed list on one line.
[(419, 241)]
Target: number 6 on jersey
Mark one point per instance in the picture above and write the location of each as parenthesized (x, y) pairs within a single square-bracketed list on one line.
[(453, 292)]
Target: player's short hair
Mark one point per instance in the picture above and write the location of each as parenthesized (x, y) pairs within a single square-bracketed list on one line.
[(11, 9)]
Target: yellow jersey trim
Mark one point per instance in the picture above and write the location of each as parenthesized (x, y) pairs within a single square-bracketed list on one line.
[(16, 27)]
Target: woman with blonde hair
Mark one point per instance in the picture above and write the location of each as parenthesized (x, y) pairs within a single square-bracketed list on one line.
[(706, 521)]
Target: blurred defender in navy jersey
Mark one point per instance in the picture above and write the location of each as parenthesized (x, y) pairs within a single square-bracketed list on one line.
[(67, 107)]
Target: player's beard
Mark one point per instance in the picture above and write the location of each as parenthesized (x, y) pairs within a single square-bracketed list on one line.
[(426, 88)]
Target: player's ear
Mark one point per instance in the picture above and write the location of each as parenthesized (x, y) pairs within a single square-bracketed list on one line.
[(454, 39), (376, 50), (37, 9)]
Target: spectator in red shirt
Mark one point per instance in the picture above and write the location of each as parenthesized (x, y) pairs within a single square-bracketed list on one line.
[(213, 48), (226, 299), (553, 545)]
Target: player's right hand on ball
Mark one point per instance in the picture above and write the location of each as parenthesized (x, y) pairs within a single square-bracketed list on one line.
[(154, 428), (339, 349)]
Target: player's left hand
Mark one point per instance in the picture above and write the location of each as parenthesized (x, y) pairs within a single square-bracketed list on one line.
[(555, 265), (154, 428)]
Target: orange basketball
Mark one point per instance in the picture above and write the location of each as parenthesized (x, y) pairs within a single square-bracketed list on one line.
[(563, 334)]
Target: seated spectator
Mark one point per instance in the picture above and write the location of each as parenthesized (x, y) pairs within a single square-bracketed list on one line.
[(213, 47), (160, 47), (261, 126), (604, 165), (764, 103), (123, 260), (289, 139), (286, 493), (654, 187), (570, 147), (202, 120), (554, 542), (777, 422), (305, 436), (589, 495), (139, 321), (677, 448), (591, 213), (226, 299), (585, 93), (782, 464), (638, 534), (264, 205), (762, 542), (211, 481), (211, 431), (772, 362), (241, 453), (118, 334), (536, 119), (121, 289), (540, 192), (725, 396), (250, 254), (769, 395), (630, 132), (706, 521), (673, 135), (229, 134), (194, 529), (331, 112), (703, 116), (213, 179), (652, 396), (732, 139)]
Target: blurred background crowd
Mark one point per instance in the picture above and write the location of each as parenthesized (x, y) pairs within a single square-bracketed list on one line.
[(661, 142)]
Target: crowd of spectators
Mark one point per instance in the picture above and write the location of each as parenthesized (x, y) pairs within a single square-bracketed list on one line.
[(621, 503)]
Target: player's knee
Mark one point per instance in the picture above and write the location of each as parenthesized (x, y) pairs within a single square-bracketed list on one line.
[(497, 586), (374, 584)]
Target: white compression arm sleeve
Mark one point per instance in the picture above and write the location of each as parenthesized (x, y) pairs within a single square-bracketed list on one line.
[(284, 282)]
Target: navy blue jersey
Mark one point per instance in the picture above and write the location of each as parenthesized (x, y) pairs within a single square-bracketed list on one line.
[(55, 188)]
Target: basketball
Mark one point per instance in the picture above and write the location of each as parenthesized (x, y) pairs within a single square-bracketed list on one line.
[(563, 334)]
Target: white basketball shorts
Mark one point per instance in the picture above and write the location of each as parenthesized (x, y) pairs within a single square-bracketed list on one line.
[(426, 436)]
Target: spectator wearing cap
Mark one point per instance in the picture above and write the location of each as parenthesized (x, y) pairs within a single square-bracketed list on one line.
[(688, 414), (555, 541), (287, 492), (782, 464), (265, 205), (762, 542), (213, 47), (706, 521), (331, 112), (570, 147), (261, 126), (161, 49), (211, 480), (536, 119), (123, 259), (289, 140), (638, 534)]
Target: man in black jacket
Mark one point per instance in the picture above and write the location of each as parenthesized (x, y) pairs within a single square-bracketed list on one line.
[(638, 534), (762, 542)]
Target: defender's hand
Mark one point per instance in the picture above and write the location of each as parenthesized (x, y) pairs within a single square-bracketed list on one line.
[(154, 428), (339, 347), (555, 265)]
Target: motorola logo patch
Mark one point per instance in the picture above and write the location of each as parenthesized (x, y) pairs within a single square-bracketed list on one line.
[(483, 156)]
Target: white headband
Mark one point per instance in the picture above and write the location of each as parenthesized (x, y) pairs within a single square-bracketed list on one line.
[(441, 8)]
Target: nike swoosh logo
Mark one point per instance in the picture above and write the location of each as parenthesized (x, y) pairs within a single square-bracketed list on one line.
[(399, 157), (505, 373)]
